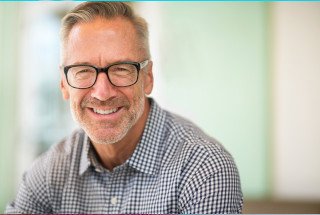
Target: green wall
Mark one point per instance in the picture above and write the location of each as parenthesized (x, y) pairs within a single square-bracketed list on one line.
[(8, 83), (214, 59)]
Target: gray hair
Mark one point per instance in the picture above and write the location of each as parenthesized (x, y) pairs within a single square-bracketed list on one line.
[(88, 11)]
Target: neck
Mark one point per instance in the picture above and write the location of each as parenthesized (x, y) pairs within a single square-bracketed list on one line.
[(113, 155)]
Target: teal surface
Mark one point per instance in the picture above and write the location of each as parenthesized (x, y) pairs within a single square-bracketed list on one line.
[(214, 58)]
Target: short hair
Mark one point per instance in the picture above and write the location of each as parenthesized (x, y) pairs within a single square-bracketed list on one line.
[(88, 11)]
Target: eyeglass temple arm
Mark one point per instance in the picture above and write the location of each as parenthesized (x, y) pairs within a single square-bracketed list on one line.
[(143, 64)]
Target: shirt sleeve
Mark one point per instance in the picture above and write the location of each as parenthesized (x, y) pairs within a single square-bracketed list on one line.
[(32, 196), (213, 187)]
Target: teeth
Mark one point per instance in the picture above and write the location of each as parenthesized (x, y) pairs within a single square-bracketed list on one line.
[(105, 112)]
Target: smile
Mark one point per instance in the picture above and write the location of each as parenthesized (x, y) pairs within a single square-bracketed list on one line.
[(105, 112)]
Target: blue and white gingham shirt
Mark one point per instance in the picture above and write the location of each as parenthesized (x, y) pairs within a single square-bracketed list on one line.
[(175, 168)]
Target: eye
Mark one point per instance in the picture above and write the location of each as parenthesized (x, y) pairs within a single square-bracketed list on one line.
[(122, 70), (82, 72)]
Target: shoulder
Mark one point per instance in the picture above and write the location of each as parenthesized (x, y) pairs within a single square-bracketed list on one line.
[(68, 144), (61, 151), (208, 173), (196, 153), (55, 163), (42, 184), (190, 140)]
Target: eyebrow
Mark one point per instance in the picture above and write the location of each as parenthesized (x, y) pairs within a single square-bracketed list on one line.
[(80, 63), (90, 64)]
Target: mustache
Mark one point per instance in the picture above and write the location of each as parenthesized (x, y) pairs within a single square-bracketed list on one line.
[(112, 102)]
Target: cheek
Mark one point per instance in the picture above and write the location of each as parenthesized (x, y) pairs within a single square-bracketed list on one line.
[(75, 110), (138, 91), (76, 99)]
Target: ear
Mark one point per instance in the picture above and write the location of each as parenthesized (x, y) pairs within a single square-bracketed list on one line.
[(148, 79), (64, 90)]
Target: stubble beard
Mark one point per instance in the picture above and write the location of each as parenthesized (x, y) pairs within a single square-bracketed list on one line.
[(119, 130)]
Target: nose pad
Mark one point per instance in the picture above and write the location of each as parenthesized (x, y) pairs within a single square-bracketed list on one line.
[(103, 89)]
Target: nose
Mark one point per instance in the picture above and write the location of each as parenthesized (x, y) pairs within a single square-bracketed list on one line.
[(103, 89)]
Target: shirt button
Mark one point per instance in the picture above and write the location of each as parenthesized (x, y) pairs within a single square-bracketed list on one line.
[(114, 200)]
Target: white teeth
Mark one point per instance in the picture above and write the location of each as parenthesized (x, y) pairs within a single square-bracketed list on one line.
[(105, 112)]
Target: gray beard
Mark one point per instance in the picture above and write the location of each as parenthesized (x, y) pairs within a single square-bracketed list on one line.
[(131, 119)]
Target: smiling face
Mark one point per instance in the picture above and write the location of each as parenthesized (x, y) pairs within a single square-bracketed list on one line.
[(107, 113)]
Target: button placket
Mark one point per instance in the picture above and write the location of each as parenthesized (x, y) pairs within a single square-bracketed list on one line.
[(116, 188)]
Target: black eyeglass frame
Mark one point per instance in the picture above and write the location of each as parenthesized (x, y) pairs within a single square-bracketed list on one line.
[(98, 70)]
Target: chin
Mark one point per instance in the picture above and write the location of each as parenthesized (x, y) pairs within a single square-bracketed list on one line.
[(105, 137)]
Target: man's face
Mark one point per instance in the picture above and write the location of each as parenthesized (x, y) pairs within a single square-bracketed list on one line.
[(105, 112)]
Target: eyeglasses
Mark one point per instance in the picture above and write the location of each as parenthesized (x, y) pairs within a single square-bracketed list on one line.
[(122, 74)]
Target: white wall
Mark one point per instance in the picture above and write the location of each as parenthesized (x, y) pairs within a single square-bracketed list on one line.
[(296, 57)]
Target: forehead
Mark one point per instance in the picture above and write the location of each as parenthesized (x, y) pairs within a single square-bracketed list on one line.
[(101, 42)]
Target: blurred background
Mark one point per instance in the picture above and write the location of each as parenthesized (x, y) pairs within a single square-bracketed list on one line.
[(248, 73)]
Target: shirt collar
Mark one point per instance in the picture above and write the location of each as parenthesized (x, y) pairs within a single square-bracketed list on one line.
[(147, 155), (84, 159)]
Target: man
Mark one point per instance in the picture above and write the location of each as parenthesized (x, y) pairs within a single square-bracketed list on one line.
[(130, 156)]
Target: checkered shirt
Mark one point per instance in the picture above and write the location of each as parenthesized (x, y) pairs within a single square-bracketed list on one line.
[(175, 168)]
